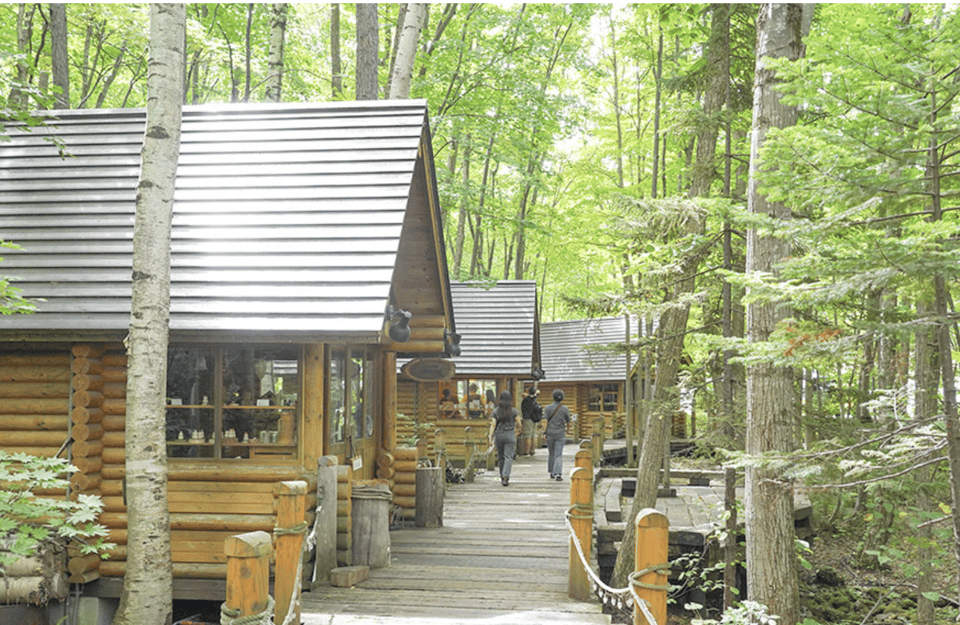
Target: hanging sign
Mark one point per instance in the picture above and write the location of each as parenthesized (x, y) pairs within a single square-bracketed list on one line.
[(429, 369)]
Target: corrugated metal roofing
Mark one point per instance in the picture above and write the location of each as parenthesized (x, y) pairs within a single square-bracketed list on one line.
[(499, 326), (568, 356), (287, 217)]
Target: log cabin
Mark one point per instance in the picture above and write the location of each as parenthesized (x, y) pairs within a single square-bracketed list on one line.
[(578, 359), (499, 349), (302, 235)]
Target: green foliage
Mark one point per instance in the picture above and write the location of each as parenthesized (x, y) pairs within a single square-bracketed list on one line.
[(10, 300), (28, 520)]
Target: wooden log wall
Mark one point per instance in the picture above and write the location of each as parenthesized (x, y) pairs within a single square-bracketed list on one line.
[(208, 500), (405, 481), (89, 385), (344, 515), (34, 402)]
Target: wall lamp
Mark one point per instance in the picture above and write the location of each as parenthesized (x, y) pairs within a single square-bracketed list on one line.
[(451, 343), (399, 324), (537, 373)]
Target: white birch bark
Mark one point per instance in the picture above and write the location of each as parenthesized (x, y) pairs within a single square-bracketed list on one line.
[(407, 51), (147, 597), (278, 29)]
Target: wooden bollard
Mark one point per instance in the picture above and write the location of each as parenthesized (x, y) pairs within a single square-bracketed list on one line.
[(653, 534), (291, 512), (581, 519), (326, 551), (248, 573), (584, 458), (429, 494)]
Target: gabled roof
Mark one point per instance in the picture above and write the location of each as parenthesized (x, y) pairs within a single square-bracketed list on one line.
[(290, 220), (569, 357), (499, 326)]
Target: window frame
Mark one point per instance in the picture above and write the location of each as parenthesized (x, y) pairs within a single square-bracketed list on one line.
[(257, 450)]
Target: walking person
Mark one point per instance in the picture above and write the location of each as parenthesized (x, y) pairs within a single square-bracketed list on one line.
[(558, 416), (503, 433), (532, 413)]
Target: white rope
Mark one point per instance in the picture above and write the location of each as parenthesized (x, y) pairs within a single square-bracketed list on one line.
[(602, 588)]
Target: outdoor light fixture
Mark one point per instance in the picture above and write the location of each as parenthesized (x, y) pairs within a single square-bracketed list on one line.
[(451, 342), (537, 373), (399, 324)]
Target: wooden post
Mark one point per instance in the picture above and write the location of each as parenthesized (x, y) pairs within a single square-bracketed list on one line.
[(730, 544), (584, 458), (248, 573), (326, 558), (581, 518), (653, 534), (291, 515), (429, 510), (389, 433)]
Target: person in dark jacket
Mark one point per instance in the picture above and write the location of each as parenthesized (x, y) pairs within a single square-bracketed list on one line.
[(557, 417), (503, 434), (528, 410)]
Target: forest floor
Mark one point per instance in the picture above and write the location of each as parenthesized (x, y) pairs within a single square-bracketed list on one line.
[(840, 584)]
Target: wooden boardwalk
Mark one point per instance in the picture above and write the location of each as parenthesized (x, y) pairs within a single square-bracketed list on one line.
[(500, 558)]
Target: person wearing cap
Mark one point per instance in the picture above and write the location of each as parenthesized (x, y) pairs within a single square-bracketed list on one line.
[(557, 416)]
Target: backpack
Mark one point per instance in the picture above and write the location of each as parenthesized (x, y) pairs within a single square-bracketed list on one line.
[(536, 415)]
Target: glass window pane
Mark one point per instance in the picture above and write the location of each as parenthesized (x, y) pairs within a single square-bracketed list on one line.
[(336, 406), (190, 391)]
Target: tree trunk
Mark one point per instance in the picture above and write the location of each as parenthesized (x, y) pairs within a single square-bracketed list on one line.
[(248, 54), (771, 559), (926, 404), (147, 596), (367, 51), (336, 72), (278, 30), (407, 51), (941, 297), (59, 61), (714, 101)]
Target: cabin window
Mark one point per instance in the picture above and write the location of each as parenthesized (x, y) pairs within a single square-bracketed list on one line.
[(470, 399), (603, 398), (351, 401), (232, 401)]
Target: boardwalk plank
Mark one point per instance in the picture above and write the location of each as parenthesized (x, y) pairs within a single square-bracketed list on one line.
[(501, 558)]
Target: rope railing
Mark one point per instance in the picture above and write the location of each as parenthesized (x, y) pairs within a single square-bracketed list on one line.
[(614, 597)]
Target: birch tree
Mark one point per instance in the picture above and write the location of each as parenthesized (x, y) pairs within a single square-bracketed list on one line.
[(278, 30), (771, 560), (147, 596), (407, 50)]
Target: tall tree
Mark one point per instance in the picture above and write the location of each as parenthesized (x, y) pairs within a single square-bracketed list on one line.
[(413, 21), (147, 596), (59, 61), (336, 72), (771, 559), (368, 51), (278, 31)]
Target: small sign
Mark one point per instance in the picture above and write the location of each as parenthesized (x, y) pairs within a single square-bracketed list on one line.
[(429, 369), (357, 463)]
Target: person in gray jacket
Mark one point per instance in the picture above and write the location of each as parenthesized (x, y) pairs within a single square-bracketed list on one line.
[(557, 417)]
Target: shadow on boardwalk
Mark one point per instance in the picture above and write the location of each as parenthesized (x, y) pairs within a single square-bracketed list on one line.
[(500, 558)]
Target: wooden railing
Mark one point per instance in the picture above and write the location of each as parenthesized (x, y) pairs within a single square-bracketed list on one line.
[(248, 564)]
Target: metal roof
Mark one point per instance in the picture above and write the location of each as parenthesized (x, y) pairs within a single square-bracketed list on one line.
[(287, 218), (499, 327), (569, 357)]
